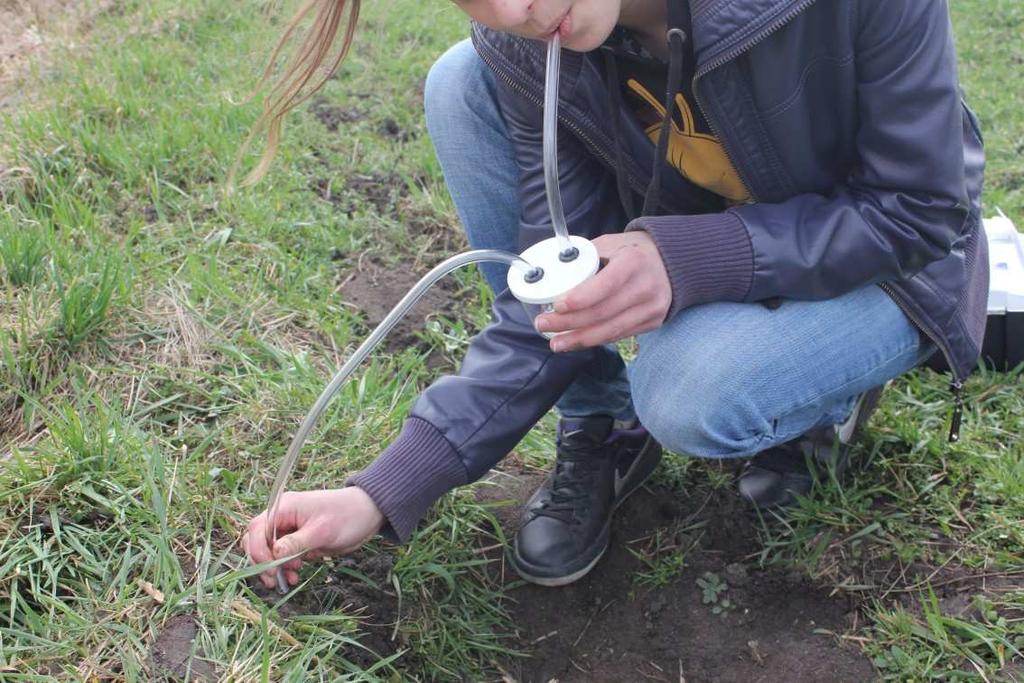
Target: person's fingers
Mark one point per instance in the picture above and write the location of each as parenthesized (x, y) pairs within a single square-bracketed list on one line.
[(598, 288), (302, 539), (257, 548), (606, 309), (256, 541), (635, 320)]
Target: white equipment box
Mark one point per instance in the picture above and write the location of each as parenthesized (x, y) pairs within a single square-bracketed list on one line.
[(1004, 331)]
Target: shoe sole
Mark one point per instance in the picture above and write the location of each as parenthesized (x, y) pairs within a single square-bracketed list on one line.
[(523, 568), (520, 565)]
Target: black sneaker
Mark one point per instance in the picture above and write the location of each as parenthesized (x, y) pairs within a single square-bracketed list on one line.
[(566, 523), (777, 476)]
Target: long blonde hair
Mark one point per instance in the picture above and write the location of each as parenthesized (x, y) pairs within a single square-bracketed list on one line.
[(293, 86)]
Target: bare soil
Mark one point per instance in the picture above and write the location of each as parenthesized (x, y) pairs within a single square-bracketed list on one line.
[(368, 598), (373, 290), (174, 654), (606, 627), (331, 115), (609, 628)]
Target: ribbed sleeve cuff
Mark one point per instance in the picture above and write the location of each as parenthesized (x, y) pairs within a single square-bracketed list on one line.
[(708, 257), (419, 467)]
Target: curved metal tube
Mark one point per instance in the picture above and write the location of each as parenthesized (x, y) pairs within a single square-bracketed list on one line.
[(386, 325), (551, 146)]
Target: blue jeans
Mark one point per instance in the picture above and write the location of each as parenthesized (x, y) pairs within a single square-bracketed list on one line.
[(718, 380)]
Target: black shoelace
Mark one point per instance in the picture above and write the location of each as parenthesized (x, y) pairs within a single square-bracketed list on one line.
[(569, 486)]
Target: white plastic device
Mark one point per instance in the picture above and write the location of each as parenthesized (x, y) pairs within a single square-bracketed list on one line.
[(1003, 347), (559, 278), (1006, 266)]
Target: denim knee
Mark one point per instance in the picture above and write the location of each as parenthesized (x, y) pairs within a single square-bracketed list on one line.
[(448, 89), (690, 408), (474, 151)]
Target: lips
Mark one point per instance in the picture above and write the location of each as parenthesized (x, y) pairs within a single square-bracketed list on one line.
[(565, 26), (559, 25)]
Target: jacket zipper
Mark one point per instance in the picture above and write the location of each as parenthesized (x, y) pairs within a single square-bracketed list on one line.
[(957, 385), (729, 56)]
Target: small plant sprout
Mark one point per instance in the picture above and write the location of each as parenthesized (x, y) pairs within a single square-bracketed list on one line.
[(713, 590)]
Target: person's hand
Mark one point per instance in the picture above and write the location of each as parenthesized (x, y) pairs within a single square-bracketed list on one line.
[(315, 523), (630, 295)]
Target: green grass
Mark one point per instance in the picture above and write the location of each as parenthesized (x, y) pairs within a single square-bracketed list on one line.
[(663, 554), (991, 58), (160, 341)]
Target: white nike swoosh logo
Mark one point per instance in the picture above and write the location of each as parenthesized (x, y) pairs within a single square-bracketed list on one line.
[(572, 433), (845, 430), (619, 479)]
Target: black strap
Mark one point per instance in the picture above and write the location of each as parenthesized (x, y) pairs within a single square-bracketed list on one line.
[(615, 104), (679, 17), (680, 49)]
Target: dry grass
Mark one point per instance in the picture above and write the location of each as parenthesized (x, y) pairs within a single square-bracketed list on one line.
[(30, 32), (27, 28)]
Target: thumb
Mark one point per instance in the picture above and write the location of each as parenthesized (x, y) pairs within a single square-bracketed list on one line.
[(298, 541)]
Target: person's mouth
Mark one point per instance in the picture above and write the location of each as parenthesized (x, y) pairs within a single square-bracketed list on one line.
[(560, 27)]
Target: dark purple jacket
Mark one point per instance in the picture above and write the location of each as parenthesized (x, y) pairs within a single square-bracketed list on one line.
[(844, 120)]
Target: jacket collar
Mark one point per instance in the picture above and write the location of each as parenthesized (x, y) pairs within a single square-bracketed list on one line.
[(726, 27)]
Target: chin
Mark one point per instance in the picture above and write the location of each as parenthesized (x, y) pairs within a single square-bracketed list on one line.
[(589, 36), (583, 43)]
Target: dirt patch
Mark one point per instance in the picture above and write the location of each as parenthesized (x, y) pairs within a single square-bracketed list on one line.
[(382, 191), (879, 572), (373, 290), (29, 32), (390, 129), (174, 654), (94, 519), (440, 235), (331, 115), (359, 587), (775, 626)]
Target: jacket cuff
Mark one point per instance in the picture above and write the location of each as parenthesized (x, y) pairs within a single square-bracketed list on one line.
[(708, 257), (417, 468)]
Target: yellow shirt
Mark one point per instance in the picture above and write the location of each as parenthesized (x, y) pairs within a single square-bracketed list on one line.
[(697, 155), (693, 149)]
